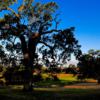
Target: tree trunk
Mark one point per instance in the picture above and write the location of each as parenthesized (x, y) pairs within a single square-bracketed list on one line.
[(28, 53), (27, 86)]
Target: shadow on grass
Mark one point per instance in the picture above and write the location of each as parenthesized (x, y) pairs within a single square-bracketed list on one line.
[(47, 94), (51, 83)]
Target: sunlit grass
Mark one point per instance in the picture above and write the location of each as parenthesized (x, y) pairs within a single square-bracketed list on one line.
[(67, 77), (62, 76)]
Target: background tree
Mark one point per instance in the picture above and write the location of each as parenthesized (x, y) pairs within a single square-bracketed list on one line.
[(72, 69), (30, 32), (89, 65)]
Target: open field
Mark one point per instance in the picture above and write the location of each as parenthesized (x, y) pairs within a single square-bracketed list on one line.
[(58, 90), (64, 79)]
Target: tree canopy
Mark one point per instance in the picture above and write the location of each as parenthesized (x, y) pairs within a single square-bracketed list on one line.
[(33, 25)]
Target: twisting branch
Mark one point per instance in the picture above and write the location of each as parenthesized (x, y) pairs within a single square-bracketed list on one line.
[(13, 42), (53, 30), (56, 21), (45, 44), (17, 15), (42, 26), (7, 8), (30, 2), (51, 48)]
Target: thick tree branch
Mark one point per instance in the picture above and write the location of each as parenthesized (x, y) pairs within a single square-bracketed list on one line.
[(24, 45)]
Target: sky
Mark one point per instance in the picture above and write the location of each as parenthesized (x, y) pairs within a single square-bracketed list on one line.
[(84, 15)]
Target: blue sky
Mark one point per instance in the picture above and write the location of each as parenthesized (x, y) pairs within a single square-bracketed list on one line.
[(84, 15)]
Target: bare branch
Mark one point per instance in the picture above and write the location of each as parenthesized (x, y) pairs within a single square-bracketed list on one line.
[(30, 2), (17, 15), (53, 30), (7, 8), (45, 44), (56, 21), (42, 26), (13, 42)]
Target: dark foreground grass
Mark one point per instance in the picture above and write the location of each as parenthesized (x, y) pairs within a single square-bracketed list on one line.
[(50, 94)]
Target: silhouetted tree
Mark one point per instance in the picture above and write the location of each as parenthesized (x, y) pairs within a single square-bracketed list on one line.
[(29, 31), (72, 69), (89, 65)]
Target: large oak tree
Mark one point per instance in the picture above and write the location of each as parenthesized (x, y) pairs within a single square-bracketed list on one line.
[(32, 30)]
